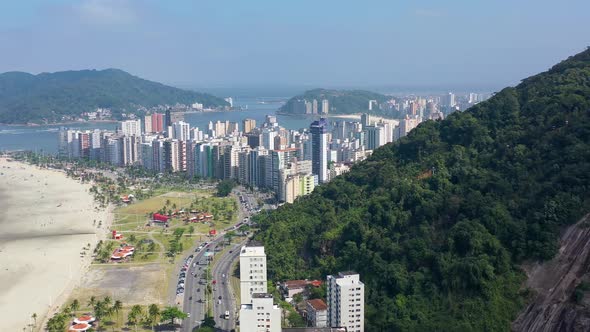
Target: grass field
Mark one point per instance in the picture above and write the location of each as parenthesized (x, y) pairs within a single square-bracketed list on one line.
[(145, 278)]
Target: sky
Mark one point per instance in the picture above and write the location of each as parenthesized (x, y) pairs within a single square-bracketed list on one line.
[(316, 43)]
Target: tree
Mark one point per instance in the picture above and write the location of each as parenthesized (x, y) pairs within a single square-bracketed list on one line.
[(34, 316), (92, 301), (75, 306), (117, 307), (191, 230), (229, 236), (132, 238), (134, 315), (153, 314), (225, 187), (171, 313), (209, 321)]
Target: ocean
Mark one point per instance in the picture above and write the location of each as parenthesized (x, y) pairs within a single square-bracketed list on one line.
[(44, 139)]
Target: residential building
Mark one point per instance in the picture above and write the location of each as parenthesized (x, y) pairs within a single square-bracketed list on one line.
[(130, 127), (252, 272), (346, 301), (319, 141), (248, 125), (260, 315), (317, 313)]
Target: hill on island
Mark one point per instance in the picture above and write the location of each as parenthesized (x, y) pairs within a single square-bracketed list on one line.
[(47, 97), (439, 222), (340, 101)]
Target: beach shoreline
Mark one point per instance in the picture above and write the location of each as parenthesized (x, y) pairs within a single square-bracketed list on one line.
[(45, 222)]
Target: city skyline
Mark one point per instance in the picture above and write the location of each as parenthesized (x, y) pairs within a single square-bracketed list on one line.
[(219, 45)]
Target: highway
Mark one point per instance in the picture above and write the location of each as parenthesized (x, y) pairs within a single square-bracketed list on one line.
[(194, 297), (221, 274)]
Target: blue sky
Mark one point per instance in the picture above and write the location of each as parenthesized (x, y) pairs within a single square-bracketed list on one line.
[(223, 43)]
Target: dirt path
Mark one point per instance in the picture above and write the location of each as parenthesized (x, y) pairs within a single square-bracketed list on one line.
[(554, 282)]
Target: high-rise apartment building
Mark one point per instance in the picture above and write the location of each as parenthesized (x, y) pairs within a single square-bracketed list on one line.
[(147, 124), (248, 125), (325, 106), (319, 149), (252, 272), (130, 128), (168, 119), (346, 301), (157, 123), (181, 131)]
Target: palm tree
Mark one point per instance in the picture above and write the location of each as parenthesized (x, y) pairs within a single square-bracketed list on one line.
[(34, 316), (117, 306), (134, 315), (107, 301), (75, 305), (92, 301), (154, 314)]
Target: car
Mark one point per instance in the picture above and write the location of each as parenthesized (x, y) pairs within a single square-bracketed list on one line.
[(188, 315), (219, 297), (190, 298), (231, 251), (198, 290)]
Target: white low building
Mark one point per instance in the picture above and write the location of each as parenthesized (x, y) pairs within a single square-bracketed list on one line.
[(262, 315)]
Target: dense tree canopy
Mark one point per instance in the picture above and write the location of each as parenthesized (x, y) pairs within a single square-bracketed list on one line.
[(340, 101), (48, 96), (437, 222)]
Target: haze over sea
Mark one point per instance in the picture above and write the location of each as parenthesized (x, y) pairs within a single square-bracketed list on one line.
[(45, 138)]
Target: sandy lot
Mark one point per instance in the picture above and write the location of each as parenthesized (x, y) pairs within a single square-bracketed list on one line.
[(45, 221), (132, 284)]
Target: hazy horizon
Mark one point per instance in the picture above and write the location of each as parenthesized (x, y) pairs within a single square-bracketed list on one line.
[(458, 45)]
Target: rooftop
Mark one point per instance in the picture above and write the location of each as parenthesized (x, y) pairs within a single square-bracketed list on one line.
[(318, 304)]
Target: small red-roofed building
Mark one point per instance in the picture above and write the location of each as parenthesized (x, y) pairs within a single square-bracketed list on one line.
[(317, 313)]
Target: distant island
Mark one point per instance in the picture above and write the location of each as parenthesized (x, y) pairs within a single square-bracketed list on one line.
[(324, 101), (74, 95)]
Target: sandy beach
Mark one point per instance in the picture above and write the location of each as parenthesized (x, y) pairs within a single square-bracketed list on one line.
[(45, 221)]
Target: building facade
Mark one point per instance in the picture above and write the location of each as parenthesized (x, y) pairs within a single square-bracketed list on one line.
[(346, 301), (252, 272)]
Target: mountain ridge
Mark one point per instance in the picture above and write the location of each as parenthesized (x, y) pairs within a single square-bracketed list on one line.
[(438, 222), (47, 97)]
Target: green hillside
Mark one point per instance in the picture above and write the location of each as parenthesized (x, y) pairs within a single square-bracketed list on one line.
[(437, 223), (49, 96), (341, 101)]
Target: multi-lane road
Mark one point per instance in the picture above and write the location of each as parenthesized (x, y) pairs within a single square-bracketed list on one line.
[(195, 301), (225, 300)]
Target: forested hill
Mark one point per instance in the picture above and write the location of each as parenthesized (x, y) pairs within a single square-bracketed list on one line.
[(340, 101), (47, 97), (437, 223)]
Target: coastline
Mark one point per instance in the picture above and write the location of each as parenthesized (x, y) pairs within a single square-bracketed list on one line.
[(46, 221), (56, 123), (355, 116)]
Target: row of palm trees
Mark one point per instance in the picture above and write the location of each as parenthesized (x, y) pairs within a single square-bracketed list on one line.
[(103, 310)]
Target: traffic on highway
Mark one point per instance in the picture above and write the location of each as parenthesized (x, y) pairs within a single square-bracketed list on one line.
[(195, 276)]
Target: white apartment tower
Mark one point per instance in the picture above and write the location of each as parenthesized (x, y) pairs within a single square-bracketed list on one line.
[(131, 127), (252, 272), (346, 301), (181, 131), (261, 315)]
